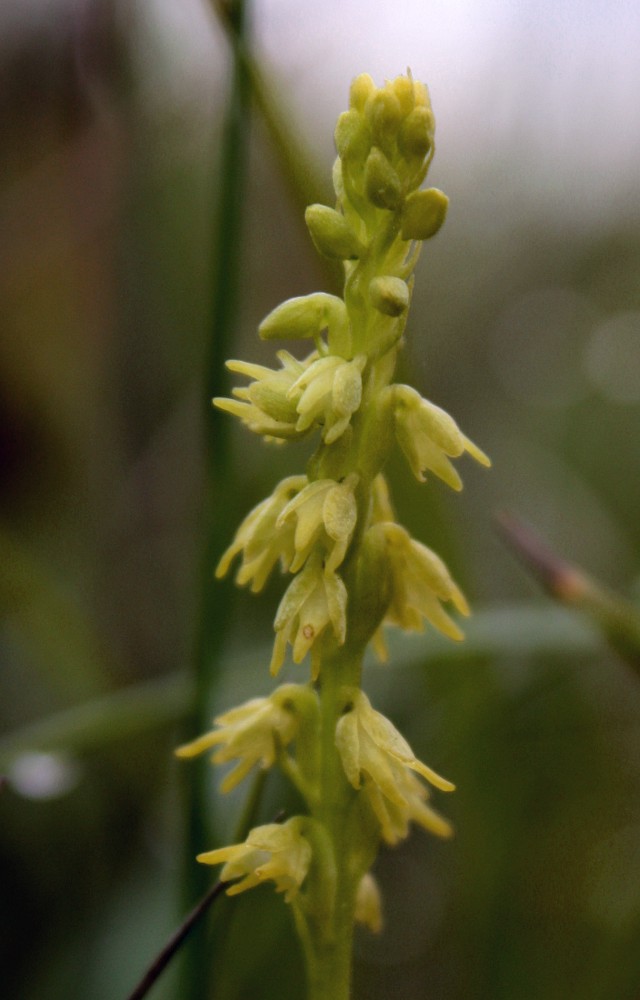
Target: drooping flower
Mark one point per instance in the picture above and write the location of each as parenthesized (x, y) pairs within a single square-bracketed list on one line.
[(277, 852), (377, 758), (420, 582), (261, 540), (325, 514), (429, 437), (328, 392), (253, 732), (315, 599)]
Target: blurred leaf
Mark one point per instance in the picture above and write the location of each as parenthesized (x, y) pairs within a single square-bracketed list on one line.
[(49, 623), (511, 631)]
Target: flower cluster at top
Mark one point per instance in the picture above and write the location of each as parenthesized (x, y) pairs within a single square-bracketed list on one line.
[(353, 567), (342, 388)]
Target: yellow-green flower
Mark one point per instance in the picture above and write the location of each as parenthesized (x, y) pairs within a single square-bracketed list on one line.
[(266, 406), (429, 436), (329, 392), (420, 582), (376, 757), (275, 852), (325, 515), (370, 744), (253, 732), (261, 540), (314, 599)]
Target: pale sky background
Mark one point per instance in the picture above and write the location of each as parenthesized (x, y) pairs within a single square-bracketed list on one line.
[(550, 89), (536, 97)]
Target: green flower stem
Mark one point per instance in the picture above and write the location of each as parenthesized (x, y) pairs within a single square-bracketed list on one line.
[(329, 967), (329, 958), (354, 566)]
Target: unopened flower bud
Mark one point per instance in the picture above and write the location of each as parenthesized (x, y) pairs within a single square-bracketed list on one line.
[(384, 115), (353, 136), (331, 233), (403, 91), (305, 316), (381, 182), (389, 295), (361, 88), (416, 132), (423, 214)]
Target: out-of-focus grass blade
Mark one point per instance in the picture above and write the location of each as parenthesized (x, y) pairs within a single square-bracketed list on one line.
[(295, 162), (128, 712), (199, 953)]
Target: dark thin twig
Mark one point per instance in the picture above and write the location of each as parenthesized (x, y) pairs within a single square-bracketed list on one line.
[(160, 963)]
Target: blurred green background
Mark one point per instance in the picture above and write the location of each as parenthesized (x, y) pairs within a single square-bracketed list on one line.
[(146, 211)]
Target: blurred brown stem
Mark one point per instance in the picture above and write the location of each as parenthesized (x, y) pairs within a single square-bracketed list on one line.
[(617, 618)]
